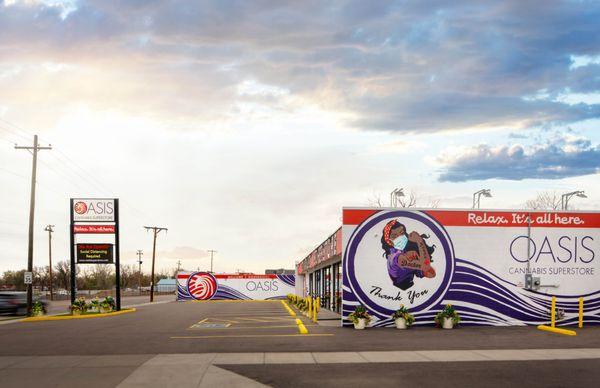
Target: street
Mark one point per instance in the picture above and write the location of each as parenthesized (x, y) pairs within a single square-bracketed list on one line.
[(203, 343)]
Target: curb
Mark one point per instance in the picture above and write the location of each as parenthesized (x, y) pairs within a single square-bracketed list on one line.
[(67, 317)]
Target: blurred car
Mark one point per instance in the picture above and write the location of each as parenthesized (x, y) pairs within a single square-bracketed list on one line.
[(15, 303)]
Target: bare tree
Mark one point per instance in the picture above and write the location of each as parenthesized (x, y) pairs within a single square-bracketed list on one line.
[(375, 200), (129, 276), (63, 274), (410, 201), (546, 200), (434, 203)]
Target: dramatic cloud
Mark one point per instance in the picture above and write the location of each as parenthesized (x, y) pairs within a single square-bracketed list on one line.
[(399, 66), (560, 157)]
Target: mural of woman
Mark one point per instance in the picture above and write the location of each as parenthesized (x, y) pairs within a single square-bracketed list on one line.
[(407, 255)]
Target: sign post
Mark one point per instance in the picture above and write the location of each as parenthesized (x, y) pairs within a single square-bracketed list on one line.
[(85, 212)]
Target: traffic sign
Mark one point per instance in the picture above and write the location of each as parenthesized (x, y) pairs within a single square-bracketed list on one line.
[(28, 278)]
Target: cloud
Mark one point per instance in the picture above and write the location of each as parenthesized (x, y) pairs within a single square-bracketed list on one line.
[(183, 253), (562, 156), (393, 66)]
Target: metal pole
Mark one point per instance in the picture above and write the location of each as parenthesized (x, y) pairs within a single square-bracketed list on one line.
[(117, 256), (72, 239), (140, 253), (528, 243), (50, 230)]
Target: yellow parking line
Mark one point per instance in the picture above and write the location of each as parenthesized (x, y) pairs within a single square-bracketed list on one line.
[(253, 320), (242, 327), (253, 335)]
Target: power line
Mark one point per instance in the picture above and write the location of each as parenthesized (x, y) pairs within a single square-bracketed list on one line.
[(72, 167)]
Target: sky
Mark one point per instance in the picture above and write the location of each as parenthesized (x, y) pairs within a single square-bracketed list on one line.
[(245, 126)]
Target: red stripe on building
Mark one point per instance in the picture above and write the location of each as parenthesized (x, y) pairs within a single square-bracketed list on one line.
[(248, 276), (356, 216), (516, 219)]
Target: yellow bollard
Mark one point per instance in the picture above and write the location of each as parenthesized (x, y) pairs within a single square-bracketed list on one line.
[(553, 313), (313, 313), (580, 313)]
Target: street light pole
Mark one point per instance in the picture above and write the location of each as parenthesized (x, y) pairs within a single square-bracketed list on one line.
[(394, 195), (477, 197), (50, 230), (140, 253), (564, 199)]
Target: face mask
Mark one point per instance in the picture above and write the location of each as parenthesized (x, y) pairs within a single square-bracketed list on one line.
[(400, 242)]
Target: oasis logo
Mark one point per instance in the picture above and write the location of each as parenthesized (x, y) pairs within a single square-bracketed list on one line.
[(80, 208), (563, 249), (267, 285), (94, 210)]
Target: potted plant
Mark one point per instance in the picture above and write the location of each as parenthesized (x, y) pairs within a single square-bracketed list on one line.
[(360, 318), (107, 305), (94, 305), (447, 318), (403, 318), (79, 306), (37, 309)]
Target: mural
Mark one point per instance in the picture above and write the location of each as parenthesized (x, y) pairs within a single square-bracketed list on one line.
[(206, 286), (475, 260)]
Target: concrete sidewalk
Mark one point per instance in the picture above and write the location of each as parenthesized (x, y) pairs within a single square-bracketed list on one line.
[(205, 369)]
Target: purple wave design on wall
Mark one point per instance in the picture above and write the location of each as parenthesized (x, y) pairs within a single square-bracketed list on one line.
[(226, 292), (483, 298), (183, 294), (290, 280)]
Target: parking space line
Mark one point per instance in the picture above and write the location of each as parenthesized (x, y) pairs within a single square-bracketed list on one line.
[(243, 327), (251, 336)]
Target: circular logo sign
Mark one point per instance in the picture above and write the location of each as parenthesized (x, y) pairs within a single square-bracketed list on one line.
[(80, 207), (202, 285), (399, 258)]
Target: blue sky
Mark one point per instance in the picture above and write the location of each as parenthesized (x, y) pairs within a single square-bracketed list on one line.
[(245, 126)]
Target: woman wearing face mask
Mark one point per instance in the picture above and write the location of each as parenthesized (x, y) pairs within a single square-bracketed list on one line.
[(404, 259)]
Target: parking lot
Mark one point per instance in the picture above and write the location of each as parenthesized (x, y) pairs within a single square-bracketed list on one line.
[(202, 343)]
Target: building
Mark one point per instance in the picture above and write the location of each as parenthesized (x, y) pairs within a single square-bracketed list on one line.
[(166, 285), (320, 273), (279, 271)]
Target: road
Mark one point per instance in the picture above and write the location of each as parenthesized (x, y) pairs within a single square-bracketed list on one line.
[(217, 343), (62, 306)]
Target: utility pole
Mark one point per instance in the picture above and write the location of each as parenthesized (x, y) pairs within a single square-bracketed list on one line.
[(50, 231), (156, 230), (178, 265), (211, 259), (33, 150), (140, 253)]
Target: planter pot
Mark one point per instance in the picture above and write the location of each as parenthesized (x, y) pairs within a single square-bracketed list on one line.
[(447, 323), (361, 324), (76, 312), (400, 323), (37, 313), (104, 310)]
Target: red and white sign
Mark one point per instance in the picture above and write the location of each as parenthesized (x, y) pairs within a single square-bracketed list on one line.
[(94, 229)]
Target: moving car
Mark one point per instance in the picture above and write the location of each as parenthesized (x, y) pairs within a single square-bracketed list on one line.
[(15, 303)]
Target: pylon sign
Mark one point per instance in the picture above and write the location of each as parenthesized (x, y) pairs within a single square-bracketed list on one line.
[(89, 248)]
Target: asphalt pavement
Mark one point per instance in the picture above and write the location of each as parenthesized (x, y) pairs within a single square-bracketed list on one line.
[(266, 331)]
